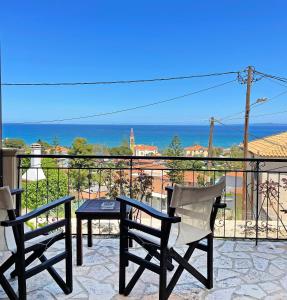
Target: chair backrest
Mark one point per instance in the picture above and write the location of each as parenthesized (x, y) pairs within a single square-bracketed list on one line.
[(195, 206), (6, 203)]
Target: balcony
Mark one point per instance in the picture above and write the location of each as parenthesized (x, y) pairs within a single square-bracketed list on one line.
[(242, 270), (250, 258), (256, 189)]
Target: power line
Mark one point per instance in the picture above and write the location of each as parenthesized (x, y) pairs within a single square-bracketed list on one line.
[(279, 78), (255, 136), (254, 104), (117, 81), (131, 108), (261, 115), (266, 76), (275, 81)]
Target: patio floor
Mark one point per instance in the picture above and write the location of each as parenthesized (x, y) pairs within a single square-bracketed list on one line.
[(241, 271)]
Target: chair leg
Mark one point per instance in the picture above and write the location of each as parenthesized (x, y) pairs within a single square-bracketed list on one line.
[(7, 264), (210, 261), (154, 253), (179, 269), (20, 270), (170, 266), (56, 276), (122, 264), (136, 276), (162, 276), (7, 288), (28, 261), (68, 244)]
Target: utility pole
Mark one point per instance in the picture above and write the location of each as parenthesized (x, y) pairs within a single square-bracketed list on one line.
[(210, 140), (247, 110), (246, 129)]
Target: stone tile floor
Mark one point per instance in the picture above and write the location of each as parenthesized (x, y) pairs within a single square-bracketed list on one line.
[(241, 271)]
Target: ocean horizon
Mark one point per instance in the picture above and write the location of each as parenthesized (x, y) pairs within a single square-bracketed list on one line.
[(158, 135)]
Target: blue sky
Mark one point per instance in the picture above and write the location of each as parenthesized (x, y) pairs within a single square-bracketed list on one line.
[(50, 41)]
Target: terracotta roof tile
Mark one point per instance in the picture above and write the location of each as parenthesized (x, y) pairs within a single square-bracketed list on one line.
[(195, 148), (145, 148), (270, 146)]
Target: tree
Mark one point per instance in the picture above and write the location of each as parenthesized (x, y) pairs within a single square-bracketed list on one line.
[(175, 173), (99, 149), (123, 149), (45, 145), (216, 151), (142, 187), (118, 183), (81, 174), (14, 143), (80, 146), (43, 191), (236, 152), (55, 142)]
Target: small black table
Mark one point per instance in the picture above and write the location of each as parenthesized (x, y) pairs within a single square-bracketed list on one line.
[(91, 210)]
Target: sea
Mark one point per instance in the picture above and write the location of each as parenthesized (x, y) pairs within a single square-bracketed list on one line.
[(158, 135)]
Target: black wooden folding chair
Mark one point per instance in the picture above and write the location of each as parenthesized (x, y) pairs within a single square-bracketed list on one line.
[(17, 238), (190, 220)]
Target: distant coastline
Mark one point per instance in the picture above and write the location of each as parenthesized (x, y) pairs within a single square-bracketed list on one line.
[(158, 135)]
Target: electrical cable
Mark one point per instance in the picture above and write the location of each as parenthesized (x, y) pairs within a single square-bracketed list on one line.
[(261, 115), (254, 104), (282, 79), (131, 108), (256, 137), (117, 81)]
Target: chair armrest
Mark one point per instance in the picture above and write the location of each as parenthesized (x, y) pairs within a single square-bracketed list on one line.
[(38, 211), (219, 205), (16, 191), (148, 209), (169, 188), (18, 194)]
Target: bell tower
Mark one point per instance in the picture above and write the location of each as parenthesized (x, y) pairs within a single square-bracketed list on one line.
[(132, 140)]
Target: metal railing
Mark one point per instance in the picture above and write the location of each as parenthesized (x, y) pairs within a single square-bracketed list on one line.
[(255, 210)]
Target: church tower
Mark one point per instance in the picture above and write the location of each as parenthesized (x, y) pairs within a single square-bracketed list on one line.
[(132, 140)]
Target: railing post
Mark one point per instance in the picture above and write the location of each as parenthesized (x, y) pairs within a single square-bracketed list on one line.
[(257, 201), (19, 175), (131, 177)]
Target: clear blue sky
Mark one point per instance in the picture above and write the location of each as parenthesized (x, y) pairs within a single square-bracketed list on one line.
[(115, 40)]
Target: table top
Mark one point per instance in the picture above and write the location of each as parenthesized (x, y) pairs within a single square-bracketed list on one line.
[(99, 208)]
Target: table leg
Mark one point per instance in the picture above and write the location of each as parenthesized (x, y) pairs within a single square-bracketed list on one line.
[(90, 234), (79, 243)]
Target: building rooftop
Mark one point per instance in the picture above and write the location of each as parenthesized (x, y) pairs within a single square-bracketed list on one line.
[(195, 148), (270, 146), (145, 147)]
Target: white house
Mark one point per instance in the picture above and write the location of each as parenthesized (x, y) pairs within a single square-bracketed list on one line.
[(196, 150), (145, 150), (35, 172)]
